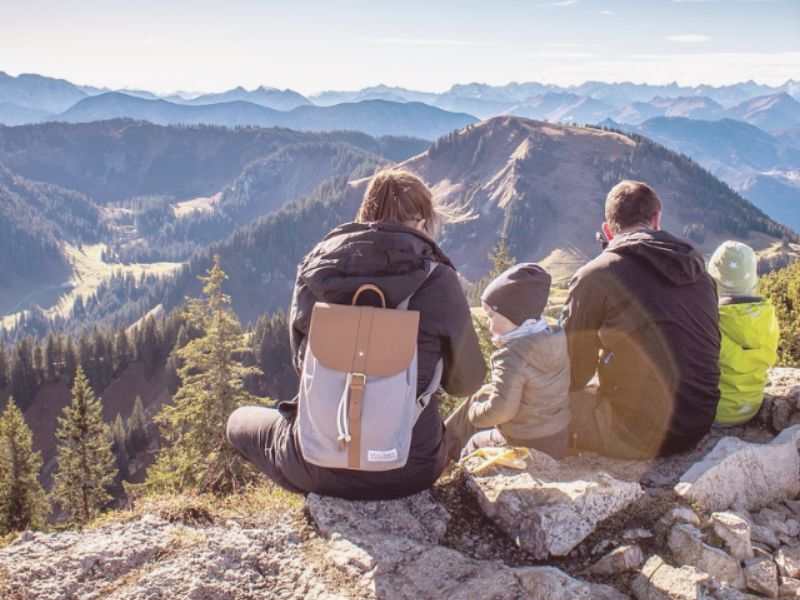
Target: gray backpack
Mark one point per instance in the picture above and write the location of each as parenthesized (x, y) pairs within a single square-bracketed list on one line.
[(358, 391)]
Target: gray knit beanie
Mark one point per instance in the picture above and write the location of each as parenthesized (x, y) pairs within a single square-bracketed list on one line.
[(519, 293)]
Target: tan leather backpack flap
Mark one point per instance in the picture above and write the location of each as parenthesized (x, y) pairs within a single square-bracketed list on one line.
[(351, 338)]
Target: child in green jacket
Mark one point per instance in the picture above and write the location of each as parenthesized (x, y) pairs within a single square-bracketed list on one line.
[(749, 331)]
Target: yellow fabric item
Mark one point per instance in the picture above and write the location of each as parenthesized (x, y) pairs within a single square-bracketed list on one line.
[(513, 458), (749, 347)]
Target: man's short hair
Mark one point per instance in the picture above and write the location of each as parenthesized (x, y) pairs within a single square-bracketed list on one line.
[(631, 204)]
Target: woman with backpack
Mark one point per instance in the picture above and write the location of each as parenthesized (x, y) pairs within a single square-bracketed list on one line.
[(389, 257)]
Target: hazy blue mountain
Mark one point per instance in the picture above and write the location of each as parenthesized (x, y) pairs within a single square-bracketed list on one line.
[(379, 117), (731, 95), (374, 117), (790, 136), (39, 93), (13, 114), (378, 92), (750, 160), (283, 100), (137, 93), (771, 113), (558, 107), (777, 193), (621, 94)]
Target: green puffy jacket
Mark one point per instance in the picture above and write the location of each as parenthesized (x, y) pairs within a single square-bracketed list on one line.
[(749, 347)]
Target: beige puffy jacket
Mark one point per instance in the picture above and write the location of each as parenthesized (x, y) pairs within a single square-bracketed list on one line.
[(528, 396)]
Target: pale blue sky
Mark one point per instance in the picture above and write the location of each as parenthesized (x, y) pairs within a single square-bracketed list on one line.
[(309, 46)]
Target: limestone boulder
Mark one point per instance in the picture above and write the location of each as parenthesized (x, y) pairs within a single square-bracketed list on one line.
[(781, 406), (688, 548), (761, 576), (620, 560), (391, 549), (658, 580), (735, 532), (788, 561), (743, 475), (548, 509)]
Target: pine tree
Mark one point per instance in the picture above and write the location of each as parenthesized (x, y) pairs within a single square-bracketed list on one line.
[(500, 257), (119, 446), (122, 351), (150, 345), (196, 453), (23, 376), (3, 365), (51, 358), (23, 503), (70, 361), (86, 465), (137, 427)]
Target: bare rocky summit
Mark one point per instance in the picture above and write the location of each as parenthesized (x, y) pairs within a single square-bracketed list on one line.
[(584, 527)]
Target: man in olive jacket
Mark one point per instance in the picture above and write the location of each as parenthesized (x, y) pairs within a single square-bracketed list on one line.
[(643, 316)]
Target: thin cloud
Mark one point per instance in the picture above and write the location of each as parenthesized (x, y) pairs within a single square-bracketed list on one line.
[(730, 1), (690, 38), (562, 3), (556, 54), (563, 45), (607, 13), (426, 42)]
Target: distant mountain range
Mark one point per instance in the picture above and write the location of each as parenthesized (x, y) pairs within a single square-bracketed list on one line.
[(762, 167), (33, 98)]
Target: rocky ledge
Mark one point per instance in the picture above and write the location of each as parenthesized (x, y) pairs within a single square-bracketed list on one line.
[(722, 521)]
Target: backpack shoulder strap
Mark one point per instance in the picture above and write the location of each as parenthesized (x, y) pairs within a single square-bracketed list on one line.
[(404, 304)]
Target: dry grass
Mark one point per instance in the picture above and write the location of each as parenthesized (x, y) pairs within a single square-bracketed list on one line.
[(257, 505)]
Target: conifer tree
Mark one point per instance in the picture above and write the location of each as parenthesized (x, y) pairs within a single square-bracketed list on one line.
[(119, 446), (70, 361), (195, 452), (122, 351), (51, 358), (86, 465), (23, 503), (137, 427), (3, 366)]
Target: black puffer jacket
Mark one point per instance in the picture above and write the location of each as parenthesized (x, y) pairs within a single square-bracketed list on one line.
[(395, 258), (647, 305)]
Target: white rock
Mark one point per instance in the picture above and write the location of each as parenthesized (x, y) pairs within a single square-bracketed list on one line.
[(794, 506), (788, 561), (680, 514), (764, 535), (639, 533), (620, 560), (389, 549), (687, 546), (789, 586), (549, 509), (742, 475), (761, 576), (659, 581), (735, 532), (550, 583)]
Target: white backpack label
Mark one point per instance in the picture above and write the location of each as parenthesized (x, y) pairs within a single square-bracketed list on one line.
[(382, 455)]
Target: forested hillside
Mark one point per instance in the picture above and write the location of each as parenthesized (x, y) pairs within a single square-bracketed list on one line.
[(35, 220)]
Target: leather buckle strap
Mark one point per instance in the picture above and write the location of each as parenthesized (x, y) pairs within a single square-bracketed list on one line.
[(356, 383)]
